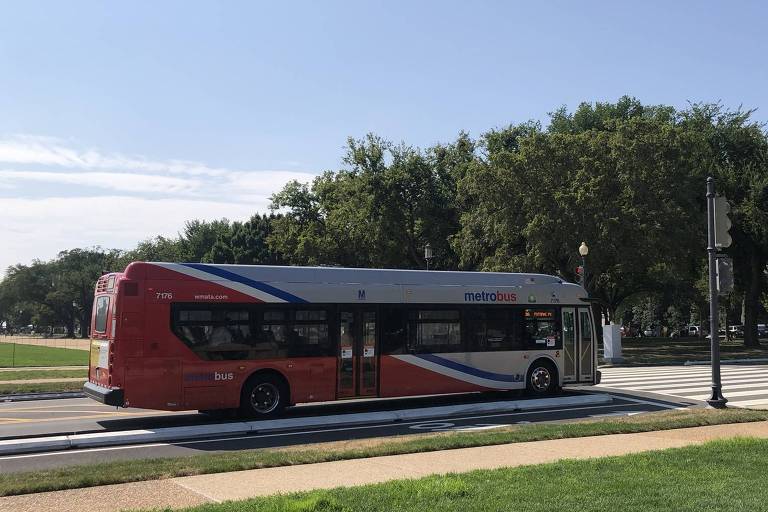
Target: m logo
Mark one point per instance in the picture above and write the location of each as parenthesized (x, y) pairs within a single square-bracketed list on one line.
[(360, 294)]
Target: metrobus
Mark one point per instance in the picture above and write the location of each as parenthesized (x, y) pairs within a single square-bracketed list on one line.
[(186, 336)]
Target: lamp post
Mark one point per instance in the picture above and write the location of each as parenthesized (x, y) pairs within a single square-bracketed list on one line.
[(584, 250), (427, 254)]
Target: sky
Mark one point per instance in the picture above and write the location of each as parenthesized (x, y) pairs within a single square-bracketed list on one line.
[(120, 121)]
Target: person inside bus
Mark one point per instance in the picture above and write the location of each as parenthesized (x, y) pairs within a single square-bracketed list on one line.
[(220, 335)]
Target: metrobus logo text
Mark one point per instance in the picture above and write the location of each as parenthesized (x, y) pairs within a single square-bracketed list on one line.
[(490, 297)]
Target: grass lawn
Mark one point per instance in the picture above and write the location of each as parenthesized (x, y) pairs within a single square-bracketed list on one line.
[(35, 355), (152, 469), (42, 374), (45, 387), (679, 350), (721, 475)]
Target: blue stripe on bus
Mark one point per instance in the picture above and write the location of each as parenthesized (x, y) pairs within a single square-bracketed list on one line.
[(453, 365), (231, 276)]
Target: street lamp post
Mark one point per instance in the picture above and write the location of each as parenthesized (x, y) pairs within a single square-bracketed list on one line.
[(717, 400), (584, 250), (427, 254)]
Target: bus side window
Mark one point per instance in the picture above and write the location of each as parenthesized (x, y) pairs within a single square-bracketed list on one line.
[(491, 329), (434, 331), (394, 330)]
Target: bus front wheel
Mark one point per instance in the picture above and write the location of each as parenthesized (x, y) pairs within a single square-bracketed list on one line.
[(263, 397), (542, 378)]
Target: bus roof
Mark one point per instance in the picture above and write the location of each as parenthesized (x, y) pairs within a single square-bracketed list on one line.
[(341, 275)]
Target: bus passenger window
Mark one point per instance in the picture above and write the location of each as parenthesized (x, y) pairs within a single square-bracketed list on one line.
[(435, 331), (491, 329), (394, 330)]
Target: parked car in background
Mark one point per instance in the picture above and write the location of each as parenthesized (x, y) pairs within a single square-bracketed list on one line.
[(720, 333), (736, 331), (762, 330)]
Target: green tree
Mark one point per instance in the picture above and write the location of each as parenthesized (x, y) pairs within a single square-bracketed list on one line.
[(379, 212), (736, 151)]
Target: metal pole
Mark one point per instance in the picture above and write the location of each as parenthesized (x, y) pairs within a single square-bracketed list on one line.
[(584, 272), (717, 400)]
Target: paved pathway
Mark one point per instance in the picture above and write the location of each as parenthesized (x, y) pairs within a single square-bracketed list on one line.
[(744, 385), (44, 381), (37, 368), (193, 490), (73, 343)]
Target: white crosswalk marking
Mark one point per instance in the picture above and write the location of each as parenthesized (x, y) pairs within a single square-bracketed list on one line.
[(743, 385)]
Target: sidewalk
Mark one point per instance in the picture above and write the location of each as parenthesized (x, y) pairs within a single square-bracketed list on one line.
[(40, 368), (194, 490), (45, 381)]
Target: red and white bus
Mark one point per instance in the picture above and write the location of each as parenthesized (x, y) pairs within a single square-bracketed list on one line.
[(182, 336)]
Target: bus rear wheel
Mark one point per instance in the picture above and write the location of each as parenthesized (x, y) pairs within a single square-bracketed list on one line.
[(541, 379), (263, 397)]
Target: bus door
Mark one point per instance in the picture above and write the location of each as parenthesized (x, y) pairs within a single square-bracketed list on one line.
[(586, 346), (358, 353), (578, 345), (569, 345)]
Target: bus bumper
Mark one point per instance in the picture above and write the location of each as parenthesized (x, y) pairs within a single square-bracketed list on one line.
[(104, 395)]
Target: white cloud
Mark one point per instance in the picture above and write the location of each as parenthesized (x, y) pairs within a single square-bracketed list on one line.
[(40, 228), (142, 197), (126, 182), (49, 151)]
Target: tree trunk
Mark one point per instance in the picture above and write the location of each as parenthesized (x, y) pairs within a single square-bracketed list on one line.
[(71, 328), (85, 324), (752, 288)]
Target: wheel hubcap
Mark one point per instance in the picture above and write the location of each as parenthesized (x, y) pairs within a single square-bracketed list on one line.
[(540, 379), (265, 397)]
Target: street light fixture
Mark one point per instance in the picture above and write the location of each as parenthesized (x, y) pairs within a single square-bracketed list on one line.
[(427, 253), (583, 250)]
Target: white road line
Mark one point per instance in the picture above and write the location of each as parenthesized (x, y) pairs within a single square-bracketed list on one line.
[(650, 377), (677, 368), (729, 394), (739, 381), (750, 403), (694, 383), (693, 389)]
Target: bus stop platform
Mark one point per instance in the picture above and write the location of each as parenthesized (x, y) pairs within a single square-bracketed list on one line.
[(215, 488)]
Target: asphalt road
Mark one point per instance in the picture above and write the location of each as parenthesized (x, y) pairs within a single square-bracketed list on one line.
[(50, 417)]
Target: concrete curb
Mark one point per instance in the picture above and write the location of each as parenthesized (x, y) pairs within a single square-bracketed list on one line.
[(101, 439)]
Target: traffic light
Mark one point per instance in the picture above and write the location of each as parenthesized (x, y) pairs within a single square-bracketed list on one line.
[(724, 275), (722, 222)]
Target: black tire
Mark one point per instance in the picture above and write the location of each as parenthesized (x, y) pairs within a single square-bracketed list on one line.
[(541, 379), (263, 397)]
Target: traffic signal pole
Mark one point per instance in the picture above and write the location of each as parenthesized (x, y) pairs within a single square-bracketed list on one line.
[(717, 400)]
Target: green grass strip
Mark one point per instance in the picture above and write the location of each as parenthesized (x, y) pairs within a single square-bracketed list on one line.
[(42, 374), (720, 475), (45, 387), (151, 469), (12, 355)]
